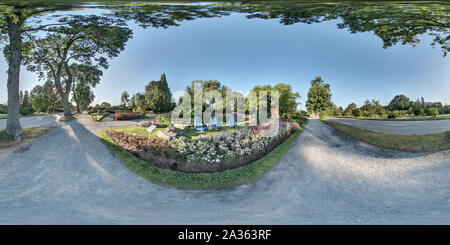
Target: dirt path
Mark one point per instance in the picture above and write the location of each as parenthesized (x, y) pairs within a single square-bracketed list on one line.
[(69, 177), (398, 127)]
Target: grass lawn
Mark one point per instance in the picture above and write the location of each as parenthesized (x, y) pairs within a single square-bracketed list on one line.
[(4, 116), (410, 118), (218, 180), (412, 143), (138, 131), (189, 132), (7, 140)]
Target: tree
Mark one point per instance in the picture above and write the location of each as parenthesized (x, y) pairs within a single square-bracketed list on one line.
[(125, 98), (140, 102), (433, 111), (44, 98), (84, 76), (158, 96), (87, 39), (357, 112), (132, 104), (19, 21), (349, 110), (319, 96), (105, 104), (287, 98), (25, 106), (399, 102), (82, 95)]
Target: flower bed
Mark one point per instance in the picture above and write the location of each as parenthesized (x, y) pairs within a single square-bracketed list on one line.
[(128, 115), (208, 154)]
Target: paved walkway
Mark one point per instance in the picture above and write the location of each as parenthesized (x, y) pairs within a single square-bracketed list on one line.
[(68, 176), (398, 127)]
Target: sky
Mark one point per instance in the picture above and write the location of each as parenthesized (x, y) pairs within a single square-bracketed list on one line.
[(242, 53)]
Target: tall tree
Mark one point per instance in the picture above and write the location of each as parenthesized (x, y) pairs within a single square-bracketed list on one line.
[(45, 98), (319, 96), (400, 102), (158, 95), (84, 39), (19, 20), (124, 98), (85, 76)]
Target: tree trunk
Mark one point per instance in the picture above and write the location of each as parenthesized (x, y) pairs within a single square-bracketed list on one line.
[(78, 107), (67, 107), (13, 127)]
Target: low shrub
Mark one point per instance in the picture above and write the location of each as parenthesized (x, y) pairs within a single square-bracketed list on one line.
[(110, 110), (393, 114), (164, 119), (128, 115), (432, 111), (323, 115), (357, 112)]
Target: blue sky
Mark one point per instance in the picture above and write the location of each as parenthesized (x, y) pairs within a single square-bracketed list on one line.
[(242, 53)]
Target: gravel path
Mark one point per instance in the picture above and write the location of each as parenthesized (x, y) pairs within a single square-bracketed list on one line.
[(398, 127), (68, 176)]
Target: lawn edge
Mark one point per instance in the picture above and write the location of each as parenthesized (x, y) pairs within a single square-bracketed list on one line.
[(46, 129), (363, 139), (201, 181)]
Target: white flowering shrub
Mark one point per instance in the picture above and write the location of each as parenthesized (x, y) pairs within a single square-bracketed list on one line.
[(224, 147)]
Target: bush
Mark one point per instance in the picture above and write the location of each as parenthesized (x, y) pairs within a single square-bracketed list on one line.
[(3, 109), (393, 114), (128, 115), (432, 111), (357, 112), (164, 119), (323, 115)]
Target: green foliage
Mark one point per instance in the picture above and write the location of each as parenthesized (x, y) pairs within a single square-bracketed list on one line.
[(393, 114), (357, 112), (372, 108), (323, 115), (335, 111), (45, 98), (158, 96), (287, 98), (400, 102), (3, 109), (432, 111), (124, 98), (104, 104), (319, 96), (349, 110), (26, 107), (164, 119)]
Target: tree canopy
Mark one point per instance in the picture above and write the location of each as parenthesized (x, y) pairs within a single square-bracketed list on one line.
[(319, 96)]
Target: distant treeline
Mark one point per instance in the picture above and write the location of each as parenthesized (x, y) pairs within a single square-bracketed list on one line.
[(399, 106)]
